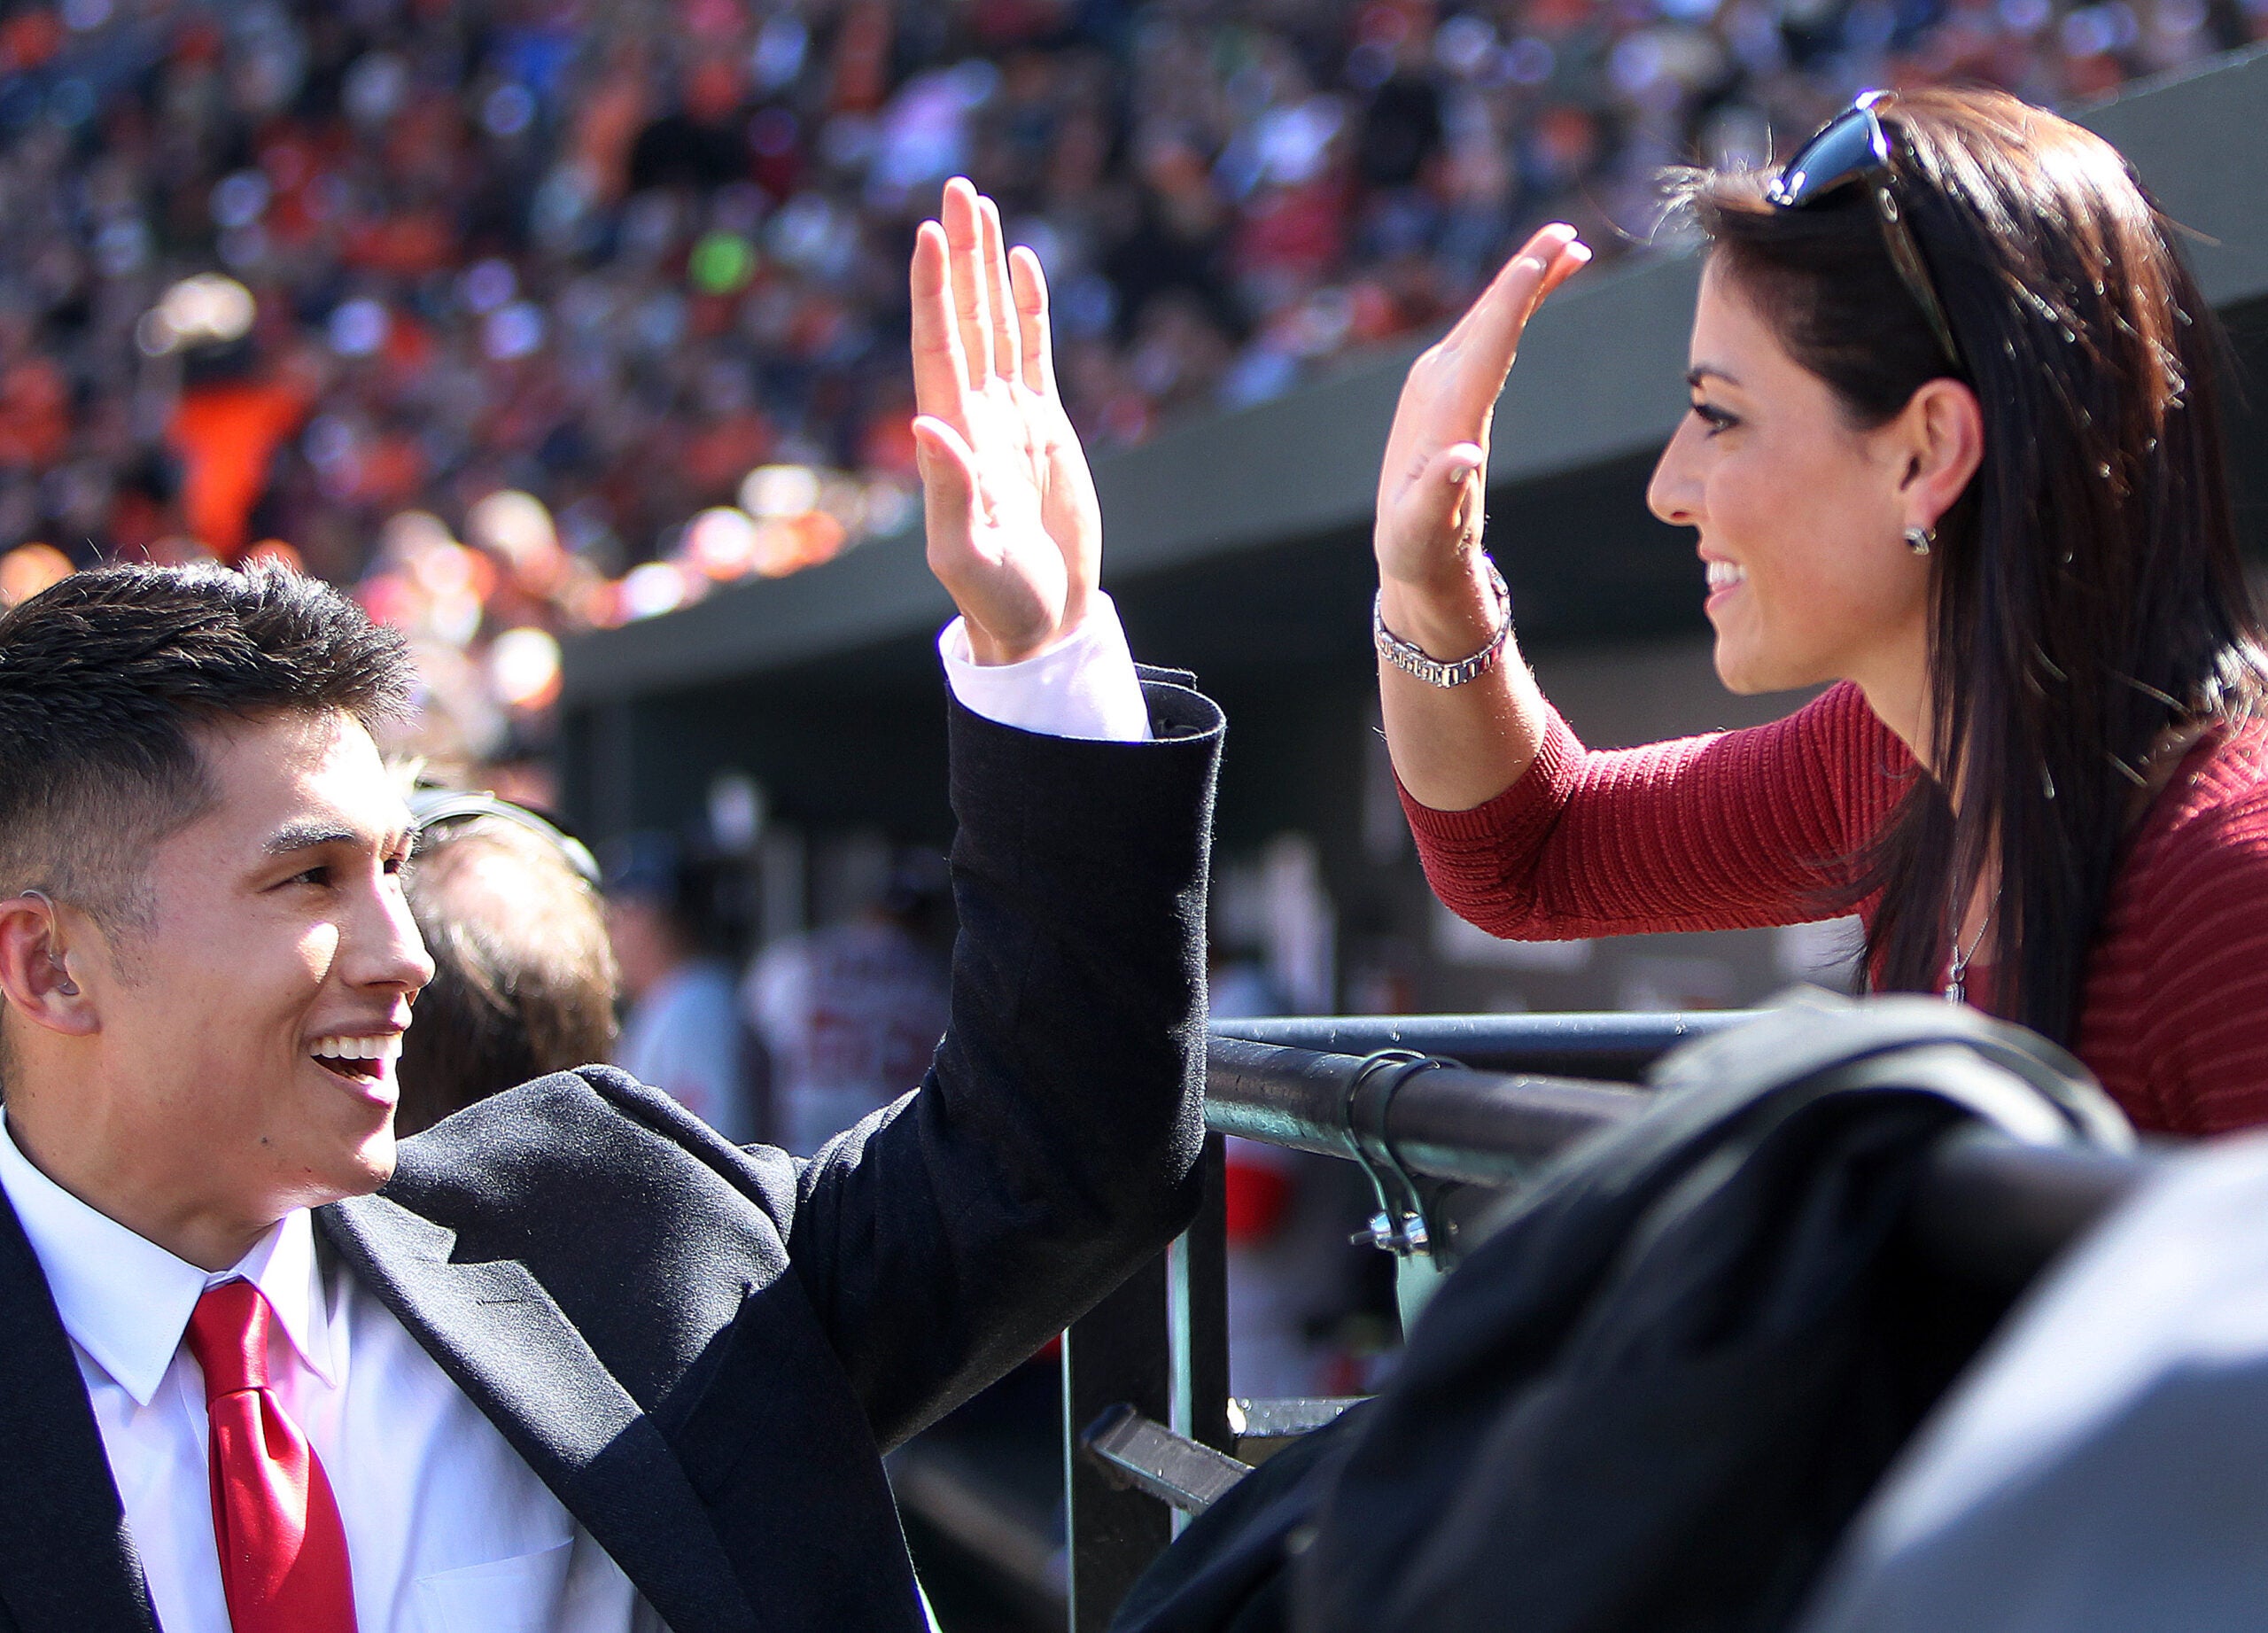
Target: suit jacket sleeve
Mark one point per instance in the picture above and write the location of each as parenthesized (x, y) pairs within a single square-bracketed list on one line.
[(1053, 1144)]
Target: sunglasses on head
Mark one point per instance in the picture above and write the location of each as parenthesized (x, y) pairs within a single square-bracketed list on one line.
[(1853, 148)]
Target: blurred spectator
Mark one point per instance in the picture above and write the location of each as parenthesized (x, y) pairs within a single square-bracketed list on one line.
[(850, 1014), (682, 1034), (523, 980)]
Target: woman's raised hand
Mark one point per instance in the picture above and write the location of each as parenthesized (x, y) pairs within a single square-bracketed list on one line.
[(1014, 531), (1430, 486)]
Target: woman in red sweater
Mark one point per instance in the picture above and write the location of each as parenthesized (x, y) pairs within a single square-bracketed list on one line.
[(1954, 447)]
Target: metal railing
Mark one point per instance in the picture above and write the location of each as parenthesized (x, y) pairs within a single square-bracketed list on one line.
[(1150, 1433)]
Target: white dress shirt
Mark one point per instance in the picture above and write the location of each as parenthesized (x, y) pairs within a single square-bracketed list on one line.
[(447, 1528)]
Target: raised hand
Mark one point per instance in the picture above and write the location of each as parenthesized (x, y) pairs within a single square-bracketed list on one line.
[(1430, 485), (1014, 531)]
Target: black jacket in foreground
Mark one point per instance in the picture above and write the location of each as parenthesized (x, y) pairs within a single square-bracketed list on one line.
[(1650, 1402), (702, 1350)]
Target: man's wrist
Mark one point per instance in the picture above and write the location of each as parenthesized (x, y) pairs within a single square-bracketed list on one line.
[(991, 652)]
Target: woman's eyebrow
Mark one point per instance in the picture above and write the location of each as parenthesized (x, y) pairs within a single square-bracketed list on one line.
[(1707, 372)]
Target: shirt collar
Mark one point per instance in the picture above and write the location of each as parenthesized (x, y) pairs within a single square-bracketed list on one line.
[(127, 1301)]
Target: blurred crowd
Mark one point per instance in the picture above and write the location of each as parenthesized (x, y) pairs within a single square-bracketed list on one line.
[(784, 1007), (527, 315)]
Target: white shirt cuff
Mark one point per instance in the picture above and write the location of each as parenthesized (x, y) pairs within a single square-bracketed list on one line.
[(1081, 687)]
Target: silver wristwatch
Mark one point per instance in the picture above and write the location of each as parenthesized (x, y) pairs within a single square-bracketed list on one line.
[(1412, 659)]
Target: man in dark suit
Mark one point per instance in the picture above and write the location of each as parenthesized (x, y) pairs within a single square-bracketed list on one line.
[(569, 1362)]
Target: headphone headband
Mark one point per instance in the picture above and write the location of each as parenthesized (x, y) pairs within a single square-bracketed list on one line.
[(431, 807)]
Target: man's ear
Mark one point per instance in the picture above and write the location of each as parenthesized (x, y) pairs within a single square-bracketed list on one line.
[(1943, 433), (35, 971)]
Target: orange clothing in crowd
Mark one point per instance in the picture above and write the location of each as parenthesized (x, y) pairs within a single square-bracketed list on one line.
[(226, 435)]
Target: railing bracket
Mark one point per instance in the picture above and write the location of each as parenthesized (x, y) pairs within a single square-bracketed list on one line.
[(1406, 1223), (1143, 1453)]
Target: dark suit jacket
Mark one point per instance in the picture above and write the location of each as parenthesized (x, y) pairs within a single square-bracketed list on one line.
[(702, 1349)]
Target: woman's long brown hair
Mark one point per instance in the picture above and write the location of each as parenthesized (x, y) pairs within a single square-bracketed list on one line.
[(2088, 592)]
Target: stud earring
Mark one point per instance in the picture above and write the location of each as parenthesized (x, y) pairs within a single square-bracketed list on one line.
[(1919, 539)]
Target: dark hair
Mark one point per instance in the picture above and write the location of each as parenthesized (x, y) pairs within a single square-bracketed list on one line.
[(524, 981), (2088, 592), (104, 681)]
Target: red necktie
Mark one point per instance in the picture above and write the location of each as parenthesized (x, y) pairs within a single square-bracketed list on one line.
[(283, 1549)]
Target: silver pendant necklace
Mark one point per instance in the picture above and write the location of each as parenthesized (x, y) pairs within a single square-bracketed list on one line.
[(1957, 975)]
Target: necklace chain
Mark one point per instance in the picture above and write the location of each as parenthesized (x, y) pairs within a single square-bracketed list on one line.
[(1957, 977), (2179, 734)]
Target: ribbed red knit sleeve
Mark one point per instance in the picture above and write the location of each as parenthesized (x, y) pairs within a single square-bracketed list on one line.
[(1759, 826), (1720, 832), (2175, 1014)]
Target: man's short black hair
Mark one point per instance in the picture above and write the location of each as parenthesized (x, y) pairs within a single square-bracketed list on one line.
[(106, 677)]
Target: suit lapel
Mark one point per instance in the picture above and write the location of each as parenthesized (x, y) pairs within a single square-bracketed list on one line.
[(495, 1331), (66, 1563)]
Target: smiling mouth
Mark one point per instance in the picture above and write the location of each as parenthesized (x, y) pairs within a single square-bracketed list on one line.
[(1724, 575), (359, 1060)]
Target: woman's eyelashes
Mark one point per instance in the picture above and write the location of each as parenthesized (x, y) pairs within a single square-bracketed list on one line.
[(1714, 418)]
